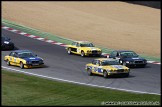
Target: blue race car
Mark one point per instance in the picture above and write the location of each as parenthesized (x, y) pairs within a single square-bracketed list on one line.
[(128, 58), (23, 59)]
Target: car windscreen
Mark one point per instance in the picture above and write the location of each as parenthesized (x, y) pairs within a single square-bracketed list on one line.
[(86, 45), (107, 62), (128, 54), (3, 38), (25, 54)]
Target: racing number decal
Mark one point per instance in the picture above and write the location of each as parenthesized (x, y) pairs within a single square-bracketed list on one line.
[(10, 59), (95, 69), (78, 50), (14, 59)]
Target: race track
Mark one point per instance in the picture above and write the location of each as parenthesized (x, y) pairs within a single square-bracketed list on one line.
[(59, 64)]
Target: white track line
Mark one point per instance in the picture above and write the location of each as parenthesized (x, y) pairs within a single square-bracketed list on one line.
[(141, 92), (22, 33)]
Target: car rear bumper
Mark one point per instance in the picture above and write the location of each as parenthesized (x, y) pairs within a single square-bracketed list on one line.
[(9, 46)]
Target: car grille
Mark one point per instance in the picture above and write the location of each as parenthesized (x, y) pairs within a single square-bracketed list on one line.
[(94, 52), (120, 70), (139, 62), (35, 62)]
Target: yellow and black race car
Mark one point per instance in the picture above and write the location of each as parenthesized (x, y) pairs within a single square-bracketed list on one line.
[(106, 67), (83, 48)]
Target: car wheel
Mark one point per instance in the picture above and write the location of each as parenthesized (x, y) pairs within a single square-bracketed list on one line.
[(21, 65), (69, 51), (89, 71), (8, 63), (105, 74), (82, 54)]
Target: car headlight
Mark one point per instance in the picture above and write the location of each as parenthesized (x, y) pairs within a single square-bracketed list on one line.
[(126, 69), (6, 42), (28, 62), (41, 61), (127, 62)]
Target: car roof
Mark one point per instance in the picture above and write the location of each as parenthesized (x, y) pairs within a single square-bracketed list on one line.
[(123, 50), (19, 51), (83, 41), (108, 59)]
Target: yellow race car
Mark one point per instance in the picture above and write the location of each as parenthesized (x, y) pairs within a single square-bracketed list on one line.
[(83, 48), (24, 59), (106, 67)]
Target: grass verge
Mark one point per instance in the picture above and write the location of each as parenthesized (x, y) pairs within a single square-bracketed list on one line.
[(24, 90), (58, 38)]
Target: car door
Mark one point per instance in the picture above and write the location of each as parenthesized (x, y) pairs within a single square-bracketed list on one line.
[(73, 47), (16, 59), (78, 48), (95, 66), (11, 58)]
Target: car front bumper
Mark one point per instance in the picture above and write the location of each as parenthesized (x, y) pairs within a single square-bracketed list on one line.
[(33, 66)]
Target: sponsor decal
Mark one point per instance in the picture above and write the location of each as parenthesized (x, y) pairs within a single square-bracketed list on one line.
[(117, 66), (135, 58), (31, 58)]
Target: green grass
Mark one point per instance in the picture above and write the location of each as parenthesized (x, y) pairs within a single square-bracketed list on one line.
[(58, 38), (24, 90)]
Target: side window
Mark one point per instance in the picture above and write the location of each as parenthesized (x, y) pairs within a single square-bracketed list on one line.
[(15, 55), (113, 54), (94, 62), (98, 63), (117, 54), (77, 44), (74, 43), (11, 54)]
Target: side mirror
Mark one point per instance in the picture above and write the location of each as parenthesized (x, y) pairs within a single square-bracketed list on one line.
[(36, 55)]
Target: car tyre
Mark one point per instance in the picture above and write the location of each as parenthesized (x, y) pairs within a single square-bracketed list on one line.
[(105, 74), (69, 51), (21, 65), (8, 63), (82, 53), (89, 71)]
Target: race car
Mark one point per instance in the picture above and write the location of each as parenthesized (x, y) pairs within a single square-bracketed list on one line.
[(106, 67), (83, 48), (6, 43), (24, 59), (128, 58)]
